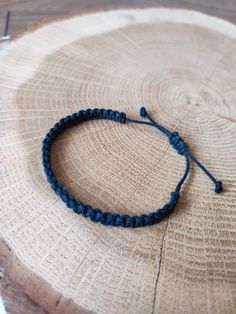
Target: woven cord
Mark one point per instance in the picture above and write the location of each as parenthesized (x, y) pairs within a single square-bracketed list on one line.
[(107, 218)]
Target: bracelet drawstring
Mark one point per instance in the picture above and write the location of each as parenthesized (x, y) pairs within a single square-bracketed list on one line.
[(181, 147)]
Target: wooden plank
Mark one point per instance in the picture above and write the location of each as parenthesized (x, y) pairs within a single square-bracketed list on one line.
[(27, 14)]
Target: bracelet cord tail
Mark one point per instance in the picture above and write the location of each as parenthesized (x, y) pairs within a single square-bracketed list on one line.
[(182, 148)]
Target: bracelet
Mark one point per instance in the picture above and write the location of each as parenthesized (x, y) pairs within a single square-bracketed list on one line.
[(107, 218)]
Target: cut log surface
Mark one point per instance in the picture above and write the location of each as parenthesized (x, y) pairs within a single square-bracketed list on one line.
[(31, 293), (181, 65)]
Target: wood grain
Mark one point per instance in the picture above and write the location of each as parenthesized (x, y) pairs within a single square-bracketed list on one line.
[(23, 292), (206, 267), (27, 14)]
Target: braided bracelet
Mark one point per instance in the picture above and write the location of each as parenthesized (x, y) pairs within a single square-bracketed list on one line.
[(107, 218)]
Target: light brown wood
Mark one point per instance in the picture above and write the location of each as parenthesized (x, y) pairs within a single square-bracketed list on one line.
[(32, 294), (27, 14), (165, 60)]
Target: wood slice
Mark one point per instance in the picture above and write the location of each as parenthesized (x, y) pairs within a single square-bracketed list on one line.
[(181, 66)]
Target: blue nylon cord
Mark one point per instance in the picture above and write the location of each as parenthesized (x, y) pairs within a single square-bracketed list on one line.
[(203, 168), (181, 182), (143, 113), (107, 218)]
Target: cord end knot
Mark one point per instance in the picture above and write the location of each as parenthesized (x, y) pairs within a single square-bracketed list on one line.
[(218, 187), (143, 112)]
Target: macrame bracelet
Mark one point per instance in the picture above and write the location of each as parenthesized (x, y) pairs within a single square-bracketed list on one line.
[(107, 218)]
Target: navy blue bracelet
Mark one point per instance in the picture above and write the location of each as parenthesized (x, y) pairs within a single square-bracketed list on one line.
[(107, 218)]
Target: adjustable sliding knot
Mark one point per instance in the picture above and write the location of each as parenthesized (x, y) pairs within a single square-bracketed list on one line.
[(107, 218), (178, 143)]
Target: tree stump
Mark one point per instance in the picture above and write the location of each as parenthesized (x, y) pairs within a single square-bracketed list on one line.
[(181, 65)]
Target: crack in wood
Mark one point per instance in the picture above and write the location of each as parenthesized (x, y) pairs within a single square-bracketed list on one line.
[(160, 265)]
